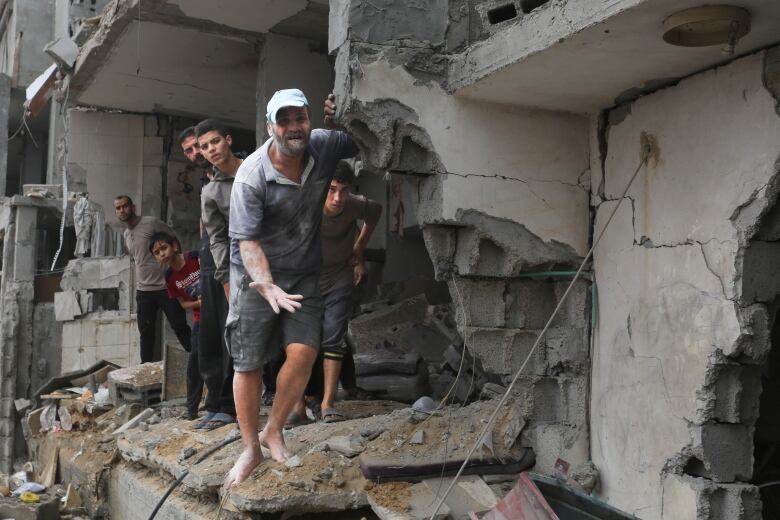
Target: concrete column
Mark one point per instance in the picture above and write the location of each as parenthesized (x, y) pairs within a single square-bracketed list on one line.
[(24, 245), (5, 99)]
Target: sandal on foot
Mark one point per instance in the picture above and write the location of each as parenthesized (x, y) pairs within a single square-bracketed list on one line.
[(295, 419), (206, 418), (218, 421), (331, 415)]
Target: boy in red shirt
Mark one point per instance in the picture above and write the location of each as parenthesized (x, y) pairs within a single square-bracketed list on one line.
[(182, 278)]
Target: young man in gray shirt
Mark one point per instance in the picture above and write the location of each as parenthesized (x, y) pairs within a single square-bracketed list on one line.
[(150, 293), (275, 215), (343, 245)]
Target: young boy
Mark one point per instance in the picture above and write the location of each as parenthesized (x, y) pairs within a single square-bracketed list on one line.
[(182, 279)]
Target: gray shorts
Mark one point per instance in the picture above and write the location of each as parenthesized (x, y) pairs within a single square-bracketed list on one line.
[(253, 332)]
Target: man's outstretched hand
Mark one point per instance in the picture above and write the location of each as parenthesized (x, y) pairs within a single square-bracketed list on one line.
[(276, 297), (330, 111)]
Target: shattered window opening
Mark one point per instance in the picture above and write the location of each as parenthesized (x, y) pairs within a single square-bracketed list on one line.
[(502, 14)]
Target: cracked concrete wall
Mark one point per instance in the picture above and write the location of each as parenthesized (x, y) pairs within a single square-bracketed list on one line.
[(672, 315), (29, 29), (501, 191)]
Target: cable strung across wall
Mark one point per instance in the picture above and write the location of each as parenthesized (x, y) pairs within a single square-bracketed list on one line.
[(647, 150)]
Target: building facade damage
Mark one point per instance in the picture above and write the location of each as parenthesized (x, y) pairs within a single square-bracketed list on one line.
[(499, 136)]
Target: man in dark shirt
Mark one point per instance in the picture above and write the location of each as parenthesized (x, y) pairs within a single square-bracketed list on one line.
[(214, 363), (275, 215)]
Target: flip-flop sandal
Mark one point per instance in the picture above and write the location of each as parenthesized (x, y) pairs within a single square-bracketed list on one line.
[(206, 418), (218, 421), (294, 419), (331, 415)]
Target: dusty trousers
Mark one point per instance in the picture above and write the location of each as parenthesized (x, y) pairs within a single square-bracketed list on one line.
[(216, 366), (148, 303)]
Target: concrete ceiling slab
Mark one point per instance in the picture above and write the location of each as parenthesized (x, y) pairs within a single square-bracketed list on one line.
[(247, 15), (158, 68), (574, 57)]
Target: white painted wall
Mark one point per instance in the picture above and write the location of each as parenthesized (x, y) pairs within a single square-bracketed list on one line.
[(110, 148), (544, 153), (109, 155), (663, 310)]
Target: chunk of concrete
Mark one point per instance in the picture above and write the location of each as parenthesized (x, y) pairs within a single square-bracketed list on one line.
[(385, 362), (470, 494), (132, 423), (63, 50), (347, 445), (66, 306), (422, 503)]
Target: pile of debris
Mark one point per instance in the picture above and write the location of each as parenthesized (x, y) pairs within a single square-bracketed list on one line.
[(71, 431), (409, 348)]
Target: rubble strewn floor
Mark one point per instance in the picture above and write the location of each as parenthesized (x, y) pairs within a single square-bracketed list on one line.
[(329, 476)]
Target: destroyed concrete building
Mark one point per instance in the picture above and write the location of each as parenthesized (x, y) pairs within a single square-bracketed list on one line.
[(500, 136)]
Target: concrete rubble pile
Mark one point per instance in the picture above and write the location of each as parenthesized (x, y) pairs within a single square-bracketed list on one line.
[(71, 441), (408, 348)]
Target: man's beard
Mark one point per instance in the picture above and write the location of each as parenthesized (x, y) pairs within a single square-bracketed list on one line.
[(201, 162), (291, 149)]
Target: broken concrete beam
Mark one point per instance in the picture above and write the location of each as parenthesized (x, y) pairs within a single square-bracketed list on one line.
[(401, 501), (369, 330), (386, 362), (396, 387), (132, 423), (495, 247), (66, 306), (469, 495)]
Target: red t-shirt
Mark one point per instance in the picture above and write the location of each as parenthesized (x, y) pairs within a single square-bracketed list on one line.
[(185, 283)]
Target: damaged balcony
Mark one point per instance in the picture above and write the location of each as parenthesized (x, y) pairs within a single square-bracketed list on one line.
[(190, 58), (581, 56)]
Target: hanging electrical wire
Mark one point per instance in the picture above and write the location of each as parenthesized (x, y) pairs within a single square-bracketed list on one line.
[(647, 150)]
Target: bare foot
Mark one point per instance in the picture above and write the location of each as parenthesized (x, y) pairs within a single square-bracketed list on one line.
[(275, 444), (249, 459)]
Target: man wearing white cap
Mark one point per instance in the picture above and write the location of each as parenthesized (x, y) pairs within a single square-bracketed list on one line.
[(275, 214)]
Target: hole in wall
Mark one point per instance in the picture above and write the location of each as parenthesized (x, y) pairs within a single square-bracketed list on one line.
[(695, 468), (529, 5), (502, 13), (105, 299)]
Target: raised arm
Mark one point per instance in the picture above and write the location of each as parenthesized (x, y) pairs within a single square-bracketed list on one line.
[(370, 220)]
